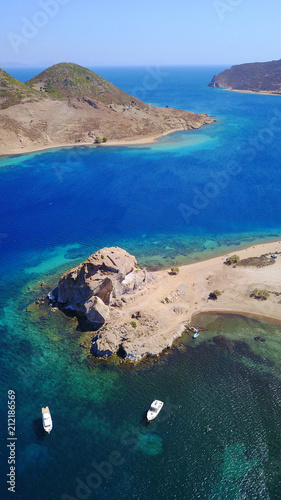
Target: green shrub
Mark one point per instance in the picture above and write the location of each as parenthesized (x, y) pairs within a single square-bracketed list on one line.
[(175, 270), (214, 295), (260, 294), (98, 140), (234, 259), (104, 139), (133, 324)]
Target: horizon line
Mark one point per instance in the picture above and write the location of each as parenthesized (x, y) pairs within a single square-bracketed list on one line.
[(145, 65)]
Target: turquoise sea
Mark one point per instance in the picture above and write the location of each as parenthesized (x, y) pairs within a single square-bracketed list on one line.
[(189, 196)]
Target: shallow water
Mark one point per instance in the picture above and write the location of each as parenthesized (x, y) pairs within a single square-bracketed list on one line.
[(156, 201), (224, 381)]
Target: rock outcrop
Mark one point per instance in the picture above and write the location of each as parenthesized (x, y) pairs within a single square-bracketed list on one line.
[(141, 321), (103, 289), (92, 287)]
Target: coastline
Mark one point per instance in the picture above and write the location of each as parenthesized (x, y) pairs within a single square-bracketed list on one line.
[(262, 92), (254, 316), (168, 304), (114, 142)]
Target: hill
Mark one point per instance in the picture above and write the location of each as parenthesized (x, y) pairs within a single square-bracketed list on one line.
[(255, 77), (13, 91), (67, 104), (68, 81)]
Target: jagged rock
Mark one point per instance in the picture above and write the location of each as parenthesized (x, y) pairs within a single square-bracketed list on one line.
[(53, 296), (96, 311), (98, 282), (104, 345)]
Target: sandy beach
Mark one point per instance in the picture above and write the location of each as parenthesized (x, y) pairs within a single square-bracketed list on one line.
[(262, 92), (173, 300), (114, 142), (49, 124)]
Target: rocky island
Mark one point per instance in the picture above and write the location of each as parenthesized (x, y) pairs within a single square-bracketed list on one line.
[(252, 77), (135, 313), (68, 104)]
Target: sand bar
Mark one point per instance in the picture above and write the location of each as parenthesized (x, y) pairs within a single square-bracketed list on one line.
[(261, 92), (173, 300)]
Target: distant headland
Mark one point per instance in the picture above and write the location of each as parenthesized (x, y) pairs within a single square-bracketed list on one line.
[(251, 77), (68, 104), (133, 313)]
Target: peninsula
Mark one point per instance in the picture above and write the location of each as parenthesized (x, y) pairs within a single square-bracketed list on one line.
[(252, 77), (135, 313), (68, 105)]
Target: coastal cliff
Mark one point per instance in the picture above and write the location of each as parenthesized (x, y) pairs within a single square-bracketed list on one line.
[(136, 314), (70, 105), (253, 77), (98, 288), (96, 284)]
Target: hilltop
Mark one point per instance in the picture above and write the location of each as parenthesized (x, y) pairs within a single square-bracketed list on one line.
[(13, 91), (70, 105), (254, 77), (68, 81)]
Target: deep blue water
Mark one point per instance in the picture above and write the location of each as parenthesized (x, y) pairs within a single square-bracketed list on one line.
[(189, 196)]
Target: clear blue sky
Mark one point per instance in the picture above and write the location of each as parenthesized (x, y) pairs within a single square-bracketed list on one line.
[(140, 32)]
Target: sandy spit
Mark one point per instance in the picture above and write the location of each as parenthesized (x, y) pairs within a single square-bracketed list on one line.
[(173, 300)]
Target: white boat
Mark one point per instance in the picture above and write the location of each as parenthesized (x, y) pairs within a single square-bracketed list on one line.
[(47, 419), (196, 334), (154, 409)]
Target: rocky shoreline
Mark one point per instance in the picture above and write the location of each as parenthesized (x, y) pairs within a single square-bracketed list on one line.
[(97, 290), (262, 77), (136, 314)]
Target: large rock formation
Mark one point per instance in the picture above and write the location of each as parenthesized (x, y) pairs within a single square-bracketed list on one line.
[(92, 287)]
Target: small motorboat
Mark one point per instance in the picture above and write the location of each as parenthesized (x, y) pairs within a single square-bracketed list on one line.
[(154, 409), (196, 334), (47, 419)]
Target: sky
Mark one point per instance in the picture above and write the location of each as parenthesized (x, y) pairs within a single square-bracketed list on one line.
[(141, 32)]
